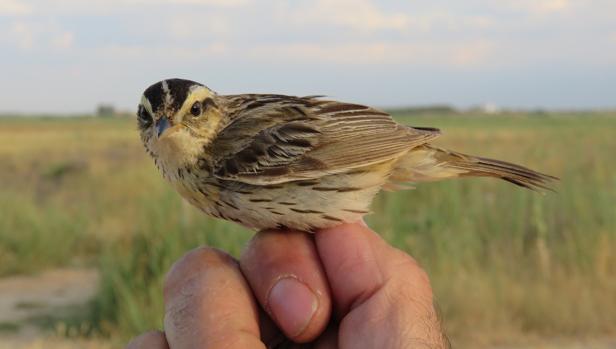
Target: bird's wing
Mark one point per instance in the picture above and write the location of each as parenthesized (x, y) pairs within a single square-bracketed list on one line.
[(274, 139)]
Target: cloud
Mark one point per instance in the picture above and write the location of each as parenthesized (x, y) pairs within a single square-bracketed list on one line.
[(14, 8), (461, 54), (222, 3), (362, 15), (473, 54), (62, 40), (123, 53), (20, 35), (539, 7), (98, 7), (40, 36), (549, 6), (216, 3), (191, 26), (438, 21), (365, 17)]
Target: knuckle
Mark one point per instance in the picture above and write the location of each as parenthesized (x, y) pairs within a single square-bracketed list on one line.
[(411, 272), (421, 277)]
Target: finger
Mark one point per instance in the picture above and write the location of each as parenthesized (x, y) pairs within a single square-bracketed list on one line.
[(288, 280), (358, 262), (208, 304), (149, 340), (381, 294), (328, 340), (270, 333)]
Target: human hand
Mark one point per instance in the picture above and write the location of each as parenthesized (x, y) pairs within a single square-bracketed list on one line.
[(379, 296)]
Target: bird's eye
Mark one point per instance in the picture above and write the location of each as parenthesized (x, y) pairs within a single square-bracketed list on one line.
[(144, 118), (195, 110)]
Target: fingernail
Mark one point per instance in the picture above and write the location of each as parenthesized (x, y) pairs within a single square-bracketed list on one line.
[(292, 305)]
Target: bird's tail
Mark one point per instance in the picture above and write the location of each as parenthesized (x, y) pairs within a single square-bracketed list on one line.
[(429, 163)]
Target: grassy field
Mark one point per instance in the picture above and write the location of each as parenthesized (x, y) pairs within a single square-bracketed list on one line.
[(505, 263)]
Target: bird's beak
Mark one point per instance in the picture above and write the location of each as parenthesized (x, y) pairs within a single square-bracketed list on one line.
[(161, 125)]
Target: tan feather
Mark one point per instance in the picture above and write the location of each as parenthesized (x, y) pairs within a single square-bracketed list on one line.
[(429, 163), (297, 139)]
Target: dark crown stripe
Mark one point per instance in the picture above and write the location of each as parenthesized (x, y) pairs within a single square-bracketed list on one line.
[(178, 88)]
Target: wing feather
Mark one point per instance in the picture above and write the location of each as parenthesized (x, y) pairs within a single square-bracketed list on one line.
[(283, 138)]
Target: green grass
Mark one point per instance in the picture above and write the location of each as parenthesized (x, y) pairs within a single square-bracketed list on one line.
[(504, 262)]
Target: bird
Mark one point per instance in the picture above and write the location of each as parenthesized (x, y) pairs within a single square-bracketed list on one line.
[(272, 161)]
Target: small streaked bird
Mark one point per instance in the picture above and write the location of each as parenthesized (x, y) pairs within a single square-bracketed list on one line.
[(276, 161)]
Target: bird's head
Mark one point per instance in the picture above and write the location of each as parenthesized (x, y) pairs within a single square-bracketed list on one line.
[(177, 118)]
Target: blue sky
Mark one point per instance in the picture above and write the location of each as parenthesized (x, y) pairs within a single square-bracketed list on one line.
[(70, 55)]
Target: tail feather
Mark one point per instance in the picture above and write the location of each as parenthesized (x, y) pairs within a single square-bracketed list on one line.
[(516, 174), (428, 163)]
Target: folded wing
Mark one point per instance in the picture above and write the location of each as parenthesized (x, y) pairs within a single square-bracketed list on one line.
[(275, 139)]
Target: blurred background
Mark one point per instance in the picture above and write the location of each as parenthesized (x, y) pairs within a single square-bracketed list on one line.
[(88, 228)]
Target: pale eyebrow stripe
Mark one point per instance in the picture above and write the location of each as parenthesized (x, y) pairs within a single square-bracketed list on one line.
[(147, 105)]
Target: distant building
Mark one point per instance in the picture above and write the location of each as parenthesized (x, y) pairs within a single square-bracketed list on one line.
[(105, 110), (489, 108)]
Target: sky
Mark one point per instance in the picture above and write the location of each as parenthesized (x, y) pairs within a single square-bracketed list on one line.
[(67, 56)]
